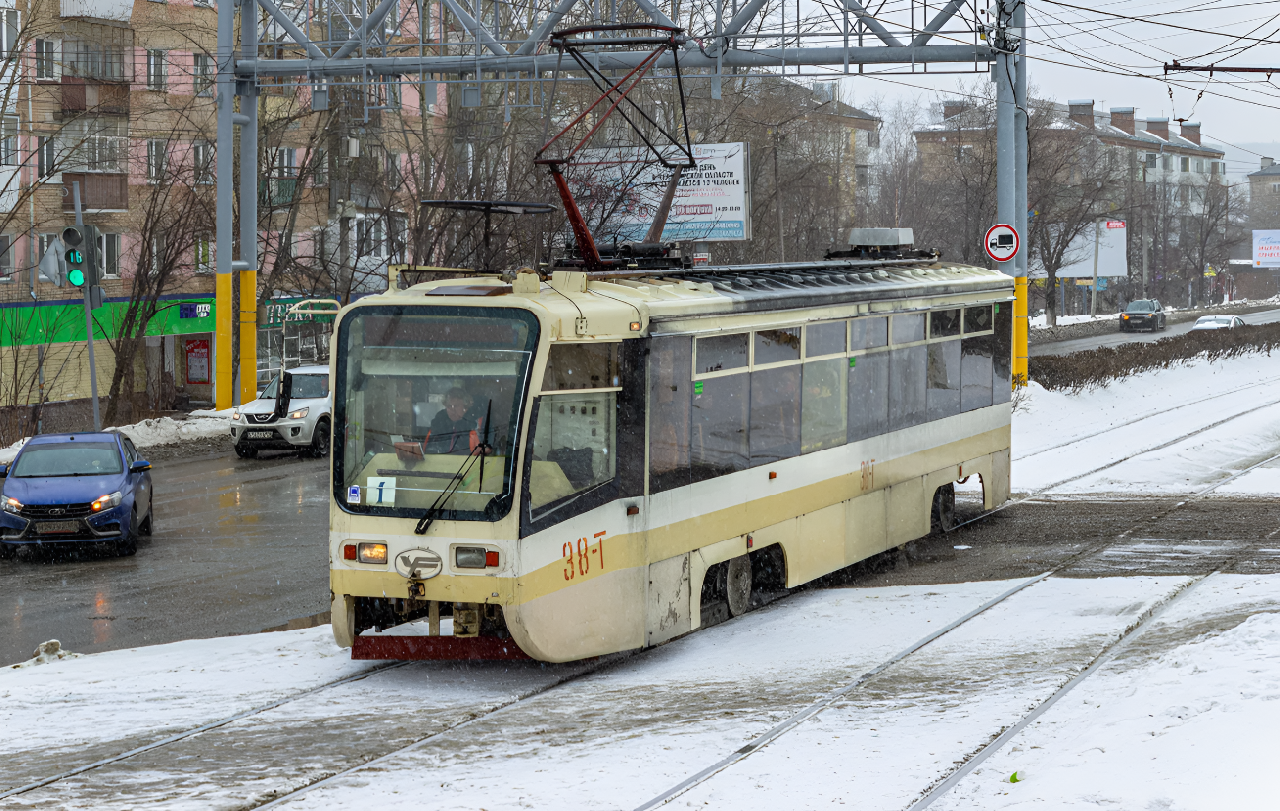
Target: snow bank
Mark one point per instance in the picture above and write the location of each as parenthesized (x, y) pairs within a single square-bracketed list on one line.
[(167, 431), (1159, 429), (1042, 321), (162, 431)]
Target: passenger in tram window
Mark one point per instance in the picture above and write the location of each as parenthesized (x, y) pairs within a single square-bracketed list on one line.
[(457, 427)]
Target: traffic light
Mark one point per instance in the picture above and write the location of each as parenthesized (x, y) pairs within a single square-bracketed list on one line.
[(81, 254)]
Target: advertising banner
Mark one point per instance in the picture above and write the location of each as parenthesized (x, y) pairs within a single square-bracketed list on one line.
[(1266, 249), (1108, 242), (624, 187), (197, 350)]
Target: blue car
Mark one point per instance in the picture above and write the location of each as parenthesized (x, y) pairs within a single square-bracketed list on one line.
[(75, 488)]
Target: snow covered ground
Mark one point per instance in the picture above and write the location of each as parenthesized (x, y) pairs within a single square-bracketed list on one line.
[(1178, 430), (1181, 720)]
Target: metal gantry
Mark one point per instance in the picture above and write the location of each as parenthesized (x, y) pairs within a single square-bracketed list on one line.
[(755, 38)]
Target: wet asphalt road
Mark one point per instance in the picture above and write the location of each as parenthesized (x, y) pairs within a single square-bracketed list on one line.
[(239, 546), (1117, 338)]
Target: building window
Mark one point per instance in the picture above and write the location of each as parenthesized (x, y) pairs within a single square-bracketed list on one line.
[(157, 70), (156, 159), (10, 33), (1149, 160), (6, 258), (873, 138), (202, 162), (46, 59), (320, 167), (394, 177), (1166, 162), (369, 237), (9, 142), (1185, 164), (1200, 165), (286, 162), (45, 164), (204, 75), (1275, 188), (861, 175), (109, 245), (204, 254)]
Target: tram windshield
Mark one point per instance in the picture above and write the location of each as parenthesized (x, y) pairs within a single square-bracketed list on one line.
[(419, 390)]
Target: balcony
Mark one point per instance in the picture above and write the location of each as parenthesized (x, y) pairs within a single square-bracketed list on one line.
[(277, 192), (80, 95), (98, 192)]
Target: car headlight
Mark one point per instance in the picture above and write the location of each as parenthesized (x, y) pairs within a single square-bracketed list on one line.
[(12, 505), (235, 415), (299, 414), (107, 502)]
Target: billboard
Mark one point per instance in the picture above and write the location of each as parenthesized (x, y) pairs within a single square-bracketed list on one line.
[(624, 187), (1108, 242), (1266, 249)]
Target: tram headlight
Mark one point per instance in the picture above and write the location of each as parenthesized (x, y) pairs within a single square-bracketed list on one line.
[(470, 557), (373, 553)]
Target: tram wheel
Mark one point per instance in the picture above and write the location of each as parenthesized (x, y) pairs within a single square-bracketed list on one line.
[(942, 518), (738, 585)]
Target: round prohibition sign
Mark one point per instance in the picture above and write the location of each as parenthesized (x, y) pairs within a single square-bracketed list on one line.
[(1001, 242)]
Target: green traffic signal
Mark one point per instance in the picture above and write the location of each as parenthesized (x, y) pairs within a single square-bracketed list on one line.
[(75, 275)]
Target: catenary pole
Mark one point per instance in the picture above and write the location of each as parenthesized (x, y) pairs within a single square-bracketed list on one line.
[(247, 320), (223, 320), (1021, 331)]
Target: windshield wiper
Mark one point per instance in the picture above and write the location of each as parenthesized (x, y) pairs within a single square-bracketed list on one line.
[(482, 449)]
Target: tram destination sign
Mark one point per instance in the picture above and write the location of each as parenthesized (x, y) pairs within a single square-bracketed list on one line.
[(712, 202)]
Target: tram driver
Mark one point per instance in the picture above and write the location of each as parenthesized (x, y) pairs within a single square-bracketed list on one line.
[(456, 429)]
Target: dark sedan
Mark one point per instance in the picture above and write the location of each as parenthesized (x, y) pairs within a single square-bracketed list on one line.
[(1145, 313), (76, 488)]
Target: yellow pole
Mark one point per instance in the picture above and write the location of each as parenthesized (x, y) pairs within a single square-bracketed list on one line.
[(224, 376), (1021, 334), (248, 335)]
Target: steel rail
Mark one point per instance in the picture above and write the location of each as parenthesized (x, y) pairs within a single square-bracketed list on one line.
[(818, 706), (180, 736), (1106, 655)]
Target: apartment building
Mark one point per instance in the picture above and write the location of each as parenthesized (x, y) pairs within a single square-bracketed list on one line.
[(116, 97)]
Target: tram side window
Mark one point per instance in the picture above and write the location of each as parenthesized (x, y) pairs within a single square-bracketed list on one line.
[(581, 366), (573, 449), (824, 399), (868, 396), (943, 395), (670, 391), (720, 353), (944, 323), (1002, 358), (718, 422), (868, 333), (775, 414), (908, 328), (825, 339), (907, 378), (975, 359)]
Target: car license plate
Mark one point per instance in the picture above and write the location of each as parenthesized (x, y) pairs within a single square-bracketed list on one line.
[(260, 434), (55, 527)]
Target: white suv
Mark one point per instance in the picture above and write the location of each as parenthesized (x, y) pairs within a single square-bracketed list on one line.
[(302, 423)]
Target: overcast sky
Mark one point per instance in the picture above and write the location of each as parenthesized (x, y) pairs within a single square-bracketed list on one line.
[(1088, 49)]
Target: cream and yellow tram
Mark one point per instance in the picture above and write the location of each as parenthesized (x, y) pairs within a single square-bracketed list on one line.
[(590, 465)]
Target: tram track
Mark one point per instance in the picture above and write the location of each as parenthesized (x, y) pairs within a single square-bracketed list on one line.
[(946, 782), (1183, 437), (760, 742)]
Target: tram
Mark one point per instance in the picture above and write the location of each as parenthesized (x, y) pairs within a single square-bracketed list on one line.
[(568, 465)]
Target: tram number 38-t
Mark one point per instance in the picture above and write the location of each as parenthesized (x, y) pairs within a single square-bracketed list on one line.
[(577, 555)]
